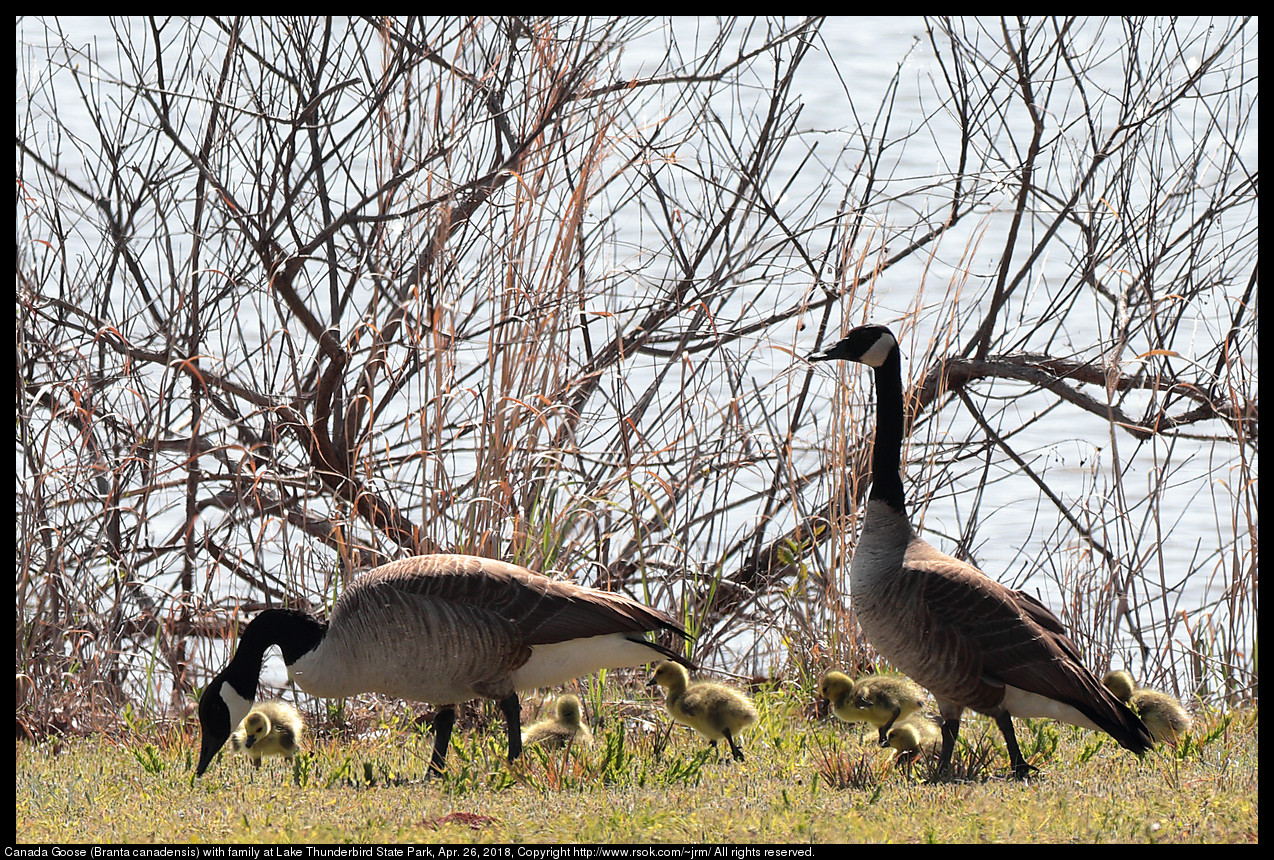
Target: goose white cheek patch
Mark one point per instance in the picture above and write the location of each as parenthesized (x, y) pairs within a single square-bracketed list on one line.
[(236, 704), (879, 351)]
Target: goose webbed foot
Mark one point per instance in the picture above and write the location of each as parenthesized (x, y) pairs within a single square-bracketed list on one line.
[(1022, 771)]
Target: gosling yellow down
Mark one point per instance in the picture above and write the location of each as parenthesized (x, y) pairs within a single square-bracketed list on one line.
[(713, 710), (915, 737), (567, 727), (1162, 714), (269, 729), (880, 700)]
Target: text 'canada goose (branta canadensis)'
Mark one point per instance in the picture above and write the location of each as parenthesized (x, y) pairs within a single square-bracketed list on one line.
[(713, 710), (877, 699), (270, 728), (1162, 713), (967, 639), (442, 629), (567, 727)]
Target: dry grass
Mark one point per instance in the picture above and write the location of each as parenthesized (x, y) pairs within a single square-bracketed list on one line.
[(803, 781)]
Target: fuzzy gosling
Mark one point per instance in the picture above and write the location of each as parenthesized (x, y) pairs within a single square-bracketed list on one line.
[(1162, 714), (713, 710), (269, 729), (915, 737), (880, 700), (566, 728)]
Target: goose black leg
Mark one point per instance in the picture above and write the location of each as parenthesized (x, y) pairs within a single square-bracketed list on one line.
[(1021, 770), (950, 730), (512, 709), (443, 721)]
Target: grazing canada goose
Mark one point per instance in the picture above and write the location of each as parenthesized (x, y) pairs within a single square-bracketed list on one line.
[(970, 641), (567, 727), (877, 699), (915, 737), (1162, 714), (270, 728), (713, 710), (442, 629)]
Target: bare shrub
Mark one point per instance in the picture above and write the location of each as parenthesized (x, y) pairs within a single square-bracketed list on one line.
[(298, 296)]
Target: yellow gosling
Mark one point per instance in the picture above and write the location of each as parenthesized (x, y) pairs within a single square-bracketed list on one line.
[(1166, 718), (713, 710), (269, 729), (915, 738), (880, 700), (567, 727)]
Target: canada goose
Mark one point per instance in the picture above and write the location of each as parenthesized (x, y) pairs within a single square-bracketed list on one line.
[(270, 728), (970, 641), (915, 737), (713, 710), (441, 629), (567, 727), (1162, 714), (876, 699)]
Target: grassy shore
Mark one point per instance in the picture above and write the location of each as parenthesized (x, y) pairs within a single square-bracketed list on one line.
[(804, 780)]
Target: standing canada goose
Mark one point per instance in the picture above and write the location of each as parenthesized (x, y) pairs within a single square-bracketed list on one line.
[(270, 728), (915, 737), (970, 641), (1162, 714), (713, 710), (567, 727), (876, 699), (442, 629)]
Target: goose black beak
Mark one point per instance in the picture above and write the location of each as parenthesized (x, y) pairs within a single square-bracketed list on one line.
[(208, 749)]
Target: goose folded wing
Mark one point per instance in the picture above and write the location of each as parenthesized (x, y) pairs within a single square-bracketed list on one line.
[(543, 610), (1010, 637), (575, 614)]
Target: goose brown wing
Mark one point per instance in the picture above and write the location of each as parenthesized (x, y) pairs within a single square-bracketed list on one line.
[(1056, 632), (543, 610), (1010, 636), (1041, 614)]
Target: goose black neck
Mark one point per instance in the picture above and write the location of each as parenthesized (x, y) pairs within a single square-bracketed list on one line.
[(886, 483), (296, 633)]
